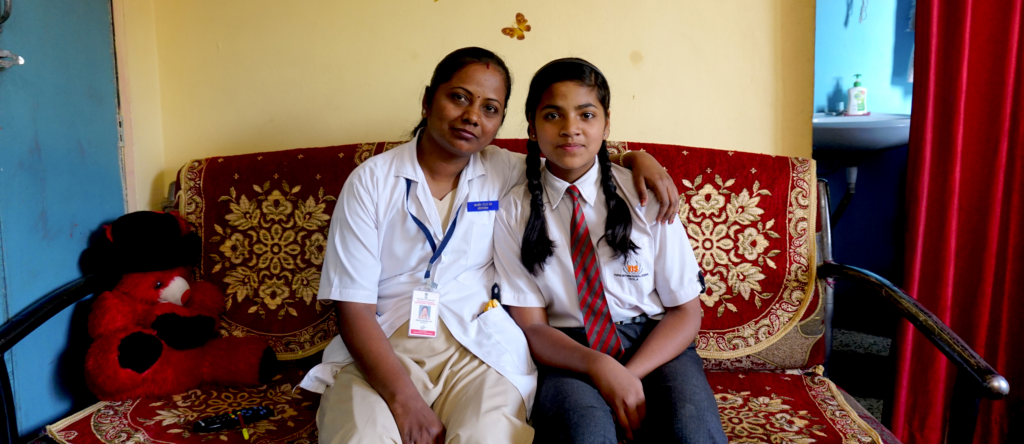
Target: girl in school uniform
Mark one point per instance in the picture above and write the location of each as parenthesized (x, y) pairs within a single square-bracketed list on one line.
[(409, 262), (606, 296)]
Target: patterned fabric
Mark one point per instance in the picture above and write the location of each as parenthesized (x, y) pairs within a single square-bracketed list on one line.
[(597, 317), (755, 407), (263, 219), (776, 407), (170, 419), (751, 225)]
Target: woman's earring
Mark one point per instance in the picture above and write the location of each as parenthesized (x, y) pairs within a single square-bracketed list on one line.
[(424, 114), (533, 137)]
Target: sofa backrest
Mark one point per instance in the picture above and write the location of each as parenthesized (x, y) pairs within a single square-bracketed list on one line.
[(263, 219)]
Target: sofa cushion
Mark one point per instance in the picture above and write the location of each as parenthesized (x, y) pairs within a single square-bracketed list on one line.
[(755, 407), (170, 418), (263, 219), (750, 219), (770, 407)]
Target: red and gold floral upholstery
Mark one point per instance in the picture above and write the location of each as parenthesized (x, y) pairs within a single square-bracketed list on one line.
[(751, 222), (263, 219)]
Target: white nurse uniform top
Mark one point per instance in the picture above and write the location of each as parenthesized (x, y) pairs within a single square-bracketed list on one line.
[(377, 255)]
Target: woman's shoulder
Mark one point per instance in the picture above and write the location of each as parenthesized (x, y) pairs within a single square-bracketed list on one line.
[(500, 157)]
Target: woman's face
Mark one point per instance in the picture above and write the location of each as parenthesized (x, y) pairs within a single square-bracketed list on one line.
[(570, 125), (466, 112)]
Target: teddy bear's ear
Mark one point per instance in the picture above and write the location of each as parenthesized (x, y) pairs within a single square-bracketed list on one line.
[(143, 241)]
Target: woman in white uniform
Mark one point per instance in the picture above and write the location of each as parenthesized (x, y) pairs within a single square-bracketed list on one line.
[(413, 228)]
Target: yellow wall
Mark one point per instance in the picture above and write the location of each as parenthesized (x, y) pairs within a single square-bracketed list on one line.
[(244, 76), (139, 79)]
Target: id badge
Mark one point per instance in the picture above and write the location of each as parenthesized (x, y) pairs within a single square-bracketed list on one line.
[(423, 314)]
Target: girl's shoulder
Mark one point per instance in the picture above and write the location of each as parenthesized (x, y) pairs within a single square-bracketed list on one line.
[(626, 189), (515, 205)]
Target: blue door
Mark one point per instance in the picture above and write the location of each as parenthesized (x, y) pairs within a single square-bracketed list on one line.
[(60, 178)]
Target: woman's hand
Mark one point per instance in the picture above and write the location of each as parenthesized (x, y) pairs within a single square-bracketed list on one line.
[(648, 173), (417, 423), (623, 392)]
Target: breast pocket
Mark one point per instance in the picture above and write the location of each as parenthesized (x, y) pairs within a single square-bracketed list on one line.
[(481, 230), (632, 274)]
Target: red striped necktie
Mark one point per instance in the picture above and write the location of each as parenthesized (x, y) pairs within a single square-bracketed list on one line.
[(597, 318)]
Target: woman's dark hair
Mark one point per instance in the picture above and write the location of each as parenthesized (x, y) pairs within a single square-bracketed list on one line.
[(453, 63), (537, 246)]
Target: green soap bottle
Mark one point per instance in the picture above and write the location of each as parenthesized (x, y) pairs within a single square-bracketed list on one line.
[(857, 105)]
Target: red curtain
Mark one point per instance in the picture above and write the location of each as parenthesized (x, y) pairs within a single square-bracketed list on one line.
[(965, 227)]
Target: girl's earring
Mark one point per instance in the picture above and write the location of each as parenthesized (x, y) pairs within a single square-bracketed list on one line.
[(424, 114), (533, 137)]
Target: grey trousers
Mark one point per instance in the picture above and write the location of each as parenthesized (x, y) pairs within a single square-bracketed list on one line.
[(681, 407)]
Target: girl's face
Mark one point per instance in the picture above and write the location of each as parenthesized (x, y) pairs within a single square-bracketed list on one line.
[(466, 112), (569, 126)]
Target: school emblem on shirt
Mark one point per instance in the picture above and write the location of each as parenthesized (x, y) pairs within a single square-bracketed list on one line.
[(631, 269)]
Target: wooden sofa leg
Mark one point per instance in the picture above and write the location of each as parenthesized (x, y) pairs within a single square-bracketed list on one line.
[(963, 410)]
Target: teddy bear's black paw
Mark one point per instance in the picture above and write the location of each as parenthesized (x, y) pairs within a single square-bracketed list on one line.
[(183, 332), (139, 351)]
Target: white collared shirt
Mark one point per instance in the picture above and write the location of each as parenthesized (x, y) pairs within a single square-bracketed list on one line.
[(662, 273), (377, 255)]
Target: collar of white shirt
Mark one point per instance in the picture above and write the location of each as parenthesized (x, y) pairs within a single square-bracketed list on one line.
[(408, 165), (554, 188)]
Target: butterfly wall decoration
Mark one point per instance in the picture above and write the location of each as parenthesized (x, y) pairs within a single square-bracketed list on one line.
[(519, 30)]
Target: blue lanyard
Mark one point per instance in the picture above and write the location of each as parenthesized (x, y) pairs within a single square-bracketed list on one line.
[(430, 238)]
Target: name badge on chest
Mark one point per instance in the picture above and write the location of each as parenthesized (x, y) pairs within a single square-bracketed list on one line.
[(423, 314)]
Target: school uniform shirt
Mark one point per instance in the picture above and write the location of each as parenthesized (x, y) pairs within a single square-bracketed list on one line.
[(377, 255), (662, 273)]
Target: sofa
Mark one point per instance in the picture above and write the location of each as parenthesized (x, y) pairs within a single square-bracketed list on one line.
[(757, 223)]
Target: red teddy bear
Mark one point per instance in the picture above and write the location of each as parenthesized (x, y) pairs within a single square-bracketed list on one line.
[(155, 332)]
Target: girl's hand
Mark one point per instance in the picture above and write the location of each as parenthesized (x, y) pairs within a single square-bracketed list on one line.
[(623, 392), (648, 173), (417, 423)]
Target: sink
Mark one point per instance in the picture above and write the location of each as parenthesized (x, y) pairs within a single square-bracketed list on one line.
[(853, 133)]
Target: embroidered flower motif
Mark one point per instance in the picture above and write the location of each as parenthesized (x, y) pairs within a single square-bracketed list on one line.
[(315, 247), (236, 248), (310, 215), (743, 209), (244, 213), (242, 283), (230, 402), (684, 208), (277, 249), (790, 423), (715, 289), (765, 419), (768, 404), (277, 207), (751, 243), (707, 201), (305, 284), (744, 278), (273, 292), (709, 243)]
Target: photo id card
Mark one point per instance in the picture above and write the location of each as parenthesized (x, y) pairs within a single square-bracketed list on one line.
[(423, 315)]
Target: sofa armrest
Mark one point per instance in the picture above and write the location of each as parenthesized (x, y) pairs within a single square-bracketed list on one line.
[(25, 322), (988, 382)]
